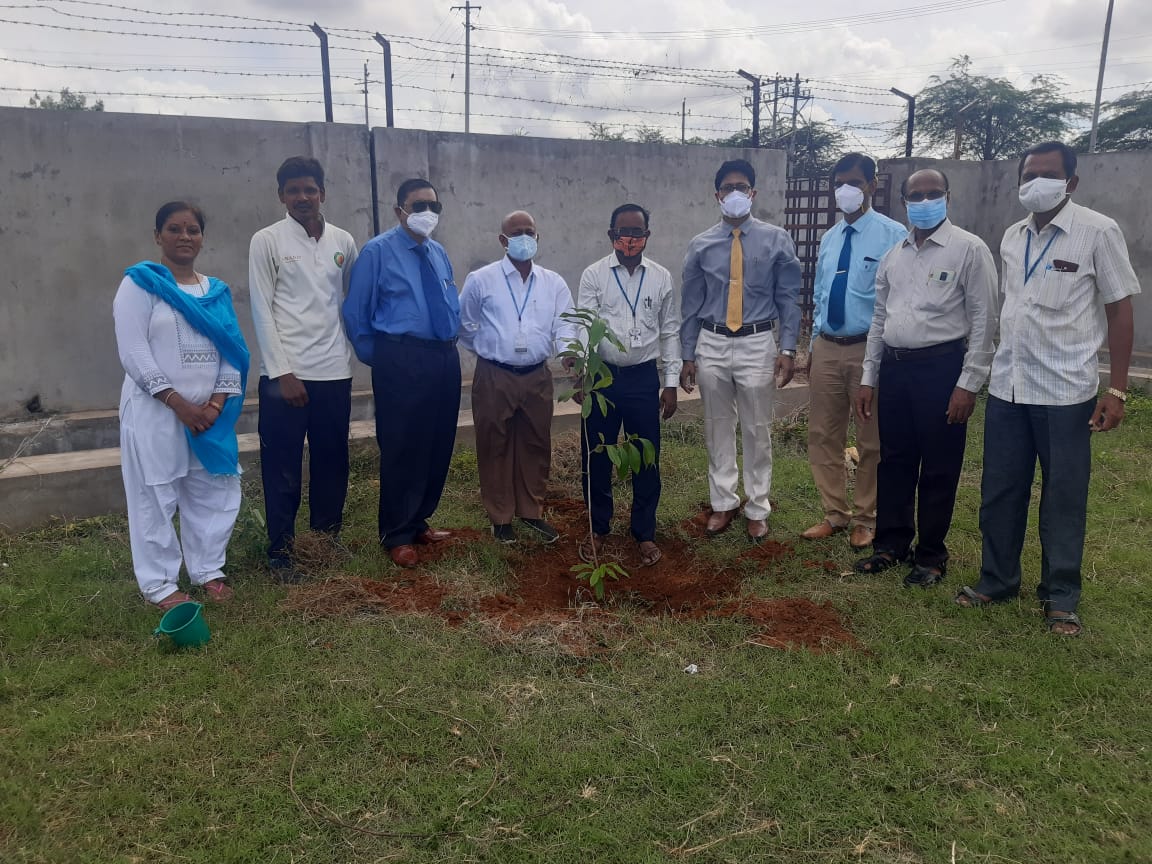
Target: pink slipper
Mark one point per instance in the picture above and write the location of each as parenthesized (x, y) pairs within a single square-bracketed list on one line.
[(173, 599), (217, 591)]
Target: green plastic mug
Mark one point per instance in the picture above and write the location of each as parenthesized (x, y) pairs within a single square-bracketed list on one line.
[(184, 625)]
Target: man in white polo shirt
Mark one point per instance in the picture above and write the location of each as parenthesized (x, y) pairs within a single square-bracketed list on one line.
[(1067, 285), (298, 274)]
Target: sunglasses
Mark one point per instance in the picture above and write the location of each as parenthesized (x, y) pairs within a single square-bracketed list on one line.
[(421, 206), (629, 232), (933, 195)]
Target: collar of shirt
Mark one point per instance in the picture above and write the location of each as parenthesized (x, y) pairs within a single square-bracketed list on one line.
[(940, 236), (508, 267), (614, 263), (1063, 220), (299, 230)]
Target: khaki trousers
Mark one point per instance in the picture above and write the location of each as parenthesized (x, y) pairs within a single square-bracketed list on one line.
[(512, 416), (832, 386)]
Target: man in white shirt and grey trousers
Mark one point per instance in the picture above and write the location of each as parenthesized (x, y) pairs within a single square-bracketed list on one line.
[(298, 274), (638, 300), (511, 318)]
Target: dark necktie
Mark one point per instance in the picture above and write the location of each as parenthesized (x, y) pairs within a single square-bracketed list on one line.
[(840, 282), (438, 313)]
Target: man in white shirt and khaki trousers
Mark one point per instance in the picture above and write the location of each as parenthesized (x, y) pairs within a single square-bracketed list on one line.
[(510, 317), (1067, 284), (636, 297), (298, 274)]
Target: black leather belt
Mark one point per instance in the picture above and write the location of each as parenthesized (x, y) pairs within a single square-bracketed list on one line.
[(515, 370), (407, 339), (747, 330), (953, 347), (845, 340)]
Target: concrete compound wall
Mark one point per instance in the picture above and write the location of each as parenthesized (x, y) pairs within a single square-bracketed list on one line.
[(81, 189), (984, 201)]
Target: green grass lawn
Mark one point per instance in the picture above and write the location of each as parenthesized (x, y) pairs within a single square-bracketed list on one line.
[(968, 736)]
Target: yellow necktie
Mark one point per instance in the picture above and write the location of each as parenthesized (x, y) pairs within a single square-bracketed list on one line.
[(735, 317)]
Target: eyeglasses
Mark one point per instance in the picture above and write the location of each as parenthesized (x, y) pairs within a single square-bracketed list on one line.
[(421, 206), (735, 187), (934, 195), (629, 232)]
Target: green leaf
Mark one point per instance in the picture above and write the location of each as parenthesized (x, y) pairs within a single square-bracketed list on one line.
[(615, 341), (649, 452), (634, 458), (613, 452), (565, 395), (603, 403), (586, 409)]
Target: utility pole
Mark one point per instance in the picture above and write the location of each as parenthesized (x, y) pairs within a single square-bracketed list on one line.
[(683, 121), (911, 100), (755, 79), (387, 46), (775, 107), (366, 123), (323, 37), (1100, 79), (467, 7)]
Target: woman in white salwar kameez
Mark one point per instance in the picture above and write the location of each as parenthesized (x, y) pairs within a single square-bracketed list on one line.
[(175, 343)]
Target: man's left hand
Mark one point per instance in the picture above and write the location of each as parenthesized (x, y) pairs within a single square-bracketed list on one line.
[(1108, 414), (785, 369), (667, 402), (960, 405)]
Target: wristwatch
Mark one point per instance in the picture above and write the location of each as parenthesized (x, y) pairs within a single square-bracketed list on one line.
[(1119, 394), (788, 352)]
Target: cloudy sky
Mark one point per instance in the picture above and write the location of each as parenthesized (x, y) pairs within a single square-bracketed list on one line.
[(550, 67)]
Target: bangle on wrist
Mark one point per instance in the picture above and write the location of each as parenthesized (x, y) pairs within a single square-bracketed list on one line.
[(171, 393), (1119, 394), (212, 404)]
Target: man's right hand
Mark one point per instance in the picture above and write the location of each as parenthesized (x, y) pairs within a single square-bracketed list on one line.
[(864, 403), (688, 376), (292, 390)]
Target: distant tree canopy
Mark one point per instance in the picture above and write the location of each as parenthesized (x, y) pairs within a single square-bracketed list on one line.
[(1127, 124), (997, 119), (68, 101)]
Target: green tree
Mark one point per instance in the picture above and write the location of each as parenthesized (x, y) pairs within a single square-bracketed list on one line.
[(997, 119), (650, 135), (68, 101), (604, 132), (817, 146), (1127, 126)]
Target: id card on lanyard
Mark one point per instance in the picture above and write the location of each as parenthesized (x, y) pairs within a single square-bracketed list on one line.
[(521, 344), (634, 339)]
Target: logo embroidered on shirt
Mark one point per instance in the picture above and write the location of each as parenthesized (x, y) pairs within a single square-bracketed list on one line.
[(339, 259), (288, 259)]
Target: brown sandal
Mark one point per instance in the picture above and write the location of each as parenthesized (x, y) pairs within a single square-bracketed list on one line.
[(650, 553), (173, 599)]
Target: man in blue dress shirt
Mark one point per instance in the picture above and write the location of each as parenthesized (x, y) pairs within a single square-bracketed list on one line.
[(401, 314), (843, 301)]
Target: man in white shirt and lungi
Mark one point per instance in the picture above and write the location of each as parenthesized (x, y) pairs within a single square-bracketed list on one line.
[(298, 274), (510, 317), (636, 297), (1067, 286), (928, 352)]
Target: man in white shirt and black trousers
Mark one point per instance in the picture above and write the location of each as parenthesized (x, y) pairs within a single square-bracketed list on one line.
[(636, 297), (510, 317), (1067, 286), (298, 274), (928, 351)]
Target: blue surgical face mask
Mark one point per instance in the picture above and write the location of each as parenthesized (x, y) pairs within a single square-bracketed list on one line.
[(522, 247), (928, 213)]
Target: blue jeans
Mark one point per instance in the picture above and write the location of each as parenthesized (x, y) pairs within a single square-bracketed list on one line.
[(1015, 436)]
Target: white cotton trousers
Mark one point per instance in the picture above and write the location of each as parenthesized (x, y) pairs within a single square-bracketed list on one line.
[(737, 385), (208, 505)]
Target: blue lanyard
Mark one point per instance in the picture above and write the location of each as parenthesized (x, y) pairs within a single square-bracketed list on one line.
[(520, 307), (1030, 268), (632, 304)]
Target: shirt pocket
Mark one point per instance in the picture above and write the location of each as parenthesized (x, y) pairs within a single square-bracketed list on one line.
[(939, 292), (1057, 289)]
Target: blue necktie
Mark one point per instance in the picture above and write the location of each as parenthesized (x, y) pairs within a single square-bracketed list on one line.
[(438, 313), (840, 282)]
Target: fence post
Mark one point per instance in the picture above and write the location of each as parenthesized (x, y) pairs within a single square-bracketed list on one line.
[(323, 37)]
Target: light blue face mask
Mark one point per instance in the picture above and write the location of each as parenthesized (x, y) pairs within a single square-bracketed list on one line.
[(522, 247), (928, 214)]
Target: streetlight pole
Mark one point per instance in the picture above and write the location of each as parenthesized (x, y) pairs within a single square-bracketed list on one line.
[(1100, 79)]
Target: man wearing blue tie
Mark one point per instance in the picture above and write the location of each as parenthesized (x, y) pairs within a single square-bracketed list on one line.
[(401, 315), (843, 299)]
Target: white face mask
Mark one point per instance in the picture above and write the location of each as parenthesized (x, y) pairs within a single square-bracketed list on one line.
[(423, 223), (736, 205), (1043, 194), (849, 199)]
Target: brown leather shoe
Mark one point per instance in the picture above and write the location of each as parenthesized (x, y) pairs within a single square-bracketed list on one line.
[(824, 529), (432, 535), (861, 537), (718, 522), (757, 529), (404, 556)]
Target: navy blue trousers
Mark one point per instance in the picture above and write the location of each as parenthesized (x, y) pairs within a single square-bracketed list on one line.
[(921, 455), (635, 394), (283, 430), (416, 385), (1015, 436)]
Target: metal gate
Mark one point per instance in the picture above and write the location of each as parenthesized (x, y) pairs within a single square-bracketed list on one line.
[(809, 211)]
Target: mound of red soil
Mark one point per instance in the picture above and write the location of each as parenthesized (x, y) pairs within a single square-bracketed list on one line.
[(544, 592)]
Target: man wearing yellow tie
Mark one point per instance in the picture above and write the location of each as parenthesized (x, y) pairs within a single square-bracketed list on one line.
[(740, 321)]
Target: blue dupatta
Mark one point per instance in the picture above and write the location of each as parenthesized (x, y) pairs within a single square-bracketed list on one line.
[(212, 316)]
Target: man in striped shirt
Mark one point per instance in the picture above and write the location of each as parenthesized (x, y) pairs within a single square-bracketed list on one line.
[(1067, 285)]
